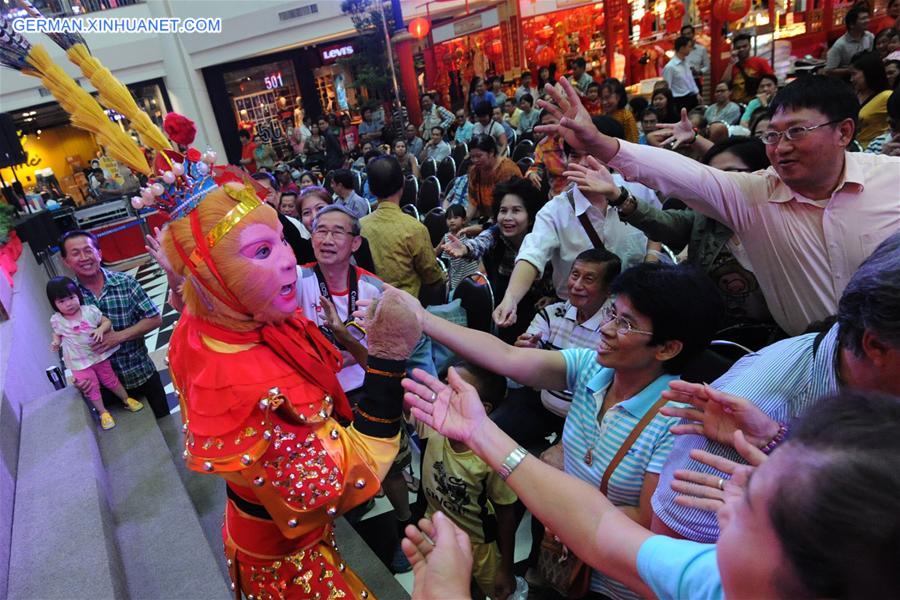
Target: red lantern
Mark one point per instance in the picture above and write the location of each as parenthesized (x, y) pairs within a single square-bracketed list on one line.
[(731, 10), (419, 28)]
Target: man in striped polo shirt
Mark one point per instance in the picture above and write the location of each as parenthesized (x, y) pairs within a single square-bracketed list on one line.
[(661, 318), (529, 415), (784, 380)]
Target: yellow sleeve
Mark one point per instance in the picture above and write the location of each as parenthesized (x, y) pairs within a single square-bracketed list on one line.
[(380, 451)]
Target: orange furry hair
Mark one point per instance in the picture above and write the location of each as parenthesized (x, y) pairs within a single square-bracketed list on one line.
[(226, 255)]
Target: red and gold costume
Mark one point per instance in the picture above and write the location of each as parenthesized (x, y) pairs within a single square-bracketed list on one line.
[(263, 409), (290, 466)]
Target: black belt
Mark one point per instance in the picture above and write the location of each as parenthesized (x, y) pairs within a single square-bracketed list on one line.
[(254, 510)]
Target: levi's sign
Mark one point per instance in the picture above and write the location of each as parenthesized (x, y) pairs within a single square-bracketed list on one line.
[(335, 52)]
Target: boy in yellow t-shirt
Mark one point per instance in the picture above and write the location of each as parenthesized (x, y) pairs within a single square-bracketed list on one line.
[(467, 490)]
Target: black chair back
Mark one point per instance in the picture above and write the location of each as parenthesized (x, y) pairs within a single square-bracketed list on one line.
[(446, 171), (429, 194), (460, 152), (463, 168), (411, 210), (428, 168), (525, 163), (410, 192), (477, 300), (714, 362), (523, 148), (436, 223)]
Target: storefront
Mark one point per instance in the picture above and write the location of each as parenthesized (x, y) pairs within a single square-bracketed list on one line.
[(58, 154), (270, 95)]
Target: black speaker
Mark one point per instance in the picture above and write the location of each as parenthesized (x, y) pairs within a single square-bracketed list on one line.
[(11, 152)]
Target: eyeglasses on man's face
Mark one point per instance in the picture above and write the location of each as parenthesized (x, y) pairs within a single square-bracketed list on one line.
[(623, 325), (771, 137), (337, 235)]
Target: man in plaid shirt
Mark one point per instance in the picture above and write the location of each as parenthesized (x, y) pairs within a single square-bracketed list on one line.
[(124, 302)]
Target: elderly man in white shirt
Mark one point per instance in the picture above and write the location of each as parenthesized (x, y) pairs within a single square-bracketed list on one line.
[(807, 222), (677, 74)]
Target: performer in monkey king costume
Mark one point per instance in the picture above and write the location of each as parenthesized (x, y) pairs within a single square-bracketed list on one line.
[(261, 403)]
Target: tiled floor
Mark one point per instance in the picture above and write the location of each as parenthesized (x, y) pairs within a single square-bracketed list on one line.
[(154, 283)]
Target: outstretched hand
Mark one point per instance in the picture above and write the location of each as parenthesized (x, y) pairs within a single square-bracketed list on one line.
[(454, 247), (154, 248), (707, 491), (453, 410), (681, 132), (441, 557), (717, 415), (592, 179), (575, 125)]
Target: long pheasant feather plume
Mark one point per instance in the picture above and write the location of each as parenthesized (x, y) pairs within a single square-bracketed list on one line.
[(113, 94)]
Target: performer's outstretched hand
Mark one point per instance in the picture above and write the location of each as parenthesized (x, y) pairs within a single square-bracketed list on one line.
[(393, 325), (454, 410)]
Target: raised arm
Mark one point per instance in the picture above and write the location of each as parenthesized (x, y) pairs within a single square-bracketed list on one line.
[(584, 519)]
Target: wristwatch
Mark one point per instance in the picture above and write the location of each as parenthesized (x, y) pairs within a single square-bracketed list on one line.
[(623, 196)]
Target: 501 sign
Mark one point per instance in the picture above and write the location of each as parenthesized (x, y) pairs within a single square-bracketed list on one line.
[(274, 81)]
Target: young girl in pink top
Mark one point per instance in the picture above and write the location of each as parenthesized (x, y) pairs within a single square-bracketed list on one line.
[(77, 327)]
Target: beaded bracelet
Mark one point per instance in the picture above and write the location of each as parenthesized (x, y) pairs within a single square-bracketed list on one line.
[(779, 437)]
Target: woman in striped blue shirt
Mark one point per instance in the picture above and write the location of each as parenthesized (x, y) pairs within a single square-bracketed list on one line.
[(662, 317)]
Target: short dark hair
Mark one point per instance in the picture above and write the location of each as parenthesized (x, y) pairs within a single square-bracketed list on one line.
[(688, 26), (74, 233), (423, 96), (483, 109), (872, 68), (681, 41), (834, 508), (638, 106), (771, 77), (525, 74), (871, 300), (524, 189), (602, 256), (681, 302), (483, 142), (263, 176), (829, 95), (385, 176), (740, 38), (455, 210), (371, 155), (243, 133), (527, 97), (651, 111), (852, 15), (579, 62), (750, 150), (893, 105), (614, 86), (439, 128), (345, 177), (62, 287)]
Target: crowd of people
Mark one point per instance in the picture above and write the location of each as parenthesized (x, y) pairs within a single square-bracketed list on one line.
[(609, 241)]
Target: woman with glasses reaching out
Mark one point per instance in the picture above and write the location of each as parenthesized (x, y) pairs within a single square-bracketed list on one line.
[(660, 319), (807, 222)]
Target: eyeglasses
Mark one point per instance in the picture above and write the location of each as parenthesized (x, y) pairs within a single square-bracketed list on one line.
[(770, 138), (337, 234), (623, 325)]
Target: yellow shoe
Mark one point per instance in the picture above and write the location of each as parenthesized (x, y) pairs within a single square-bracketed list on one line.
[(106, 421), (133, 405)]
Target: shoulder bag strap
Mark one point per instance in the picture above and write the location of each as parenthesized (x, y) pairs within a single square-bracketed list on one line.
[(586, 224), (628, 443)]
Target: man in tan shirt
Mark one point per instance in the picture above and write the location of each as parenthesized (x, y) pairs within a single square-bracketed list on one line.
[(401, 246)]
